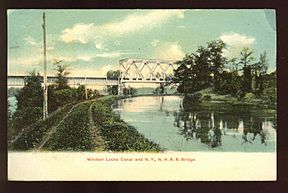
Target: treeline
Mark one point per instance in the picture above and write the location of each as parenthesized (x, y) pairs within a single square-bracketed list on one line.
[(208, 67), (30, 99)]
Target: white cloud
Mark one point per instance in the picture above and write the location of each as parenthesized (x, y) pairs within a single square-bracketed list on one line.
[(100, 46), (235, 43), (79, 32), (181, 26), (170, 51), (92, 71), (27, 61), (114, 54), (143, 20), (155, 42), (31, 41)]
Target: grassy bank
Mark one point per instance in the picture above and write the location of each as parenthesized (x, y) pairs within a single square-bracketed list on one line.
[(208, 95), (30, 137), (86, 126), (118, 135), (73, 133)]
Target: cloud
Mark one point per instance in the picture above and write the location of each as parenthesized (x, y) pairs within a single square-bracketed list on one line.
[(155, 42), (143, 20), (79, 32), (27, 61), (170, 51), (31, 41), (100, 46), (235, 43), (39, 44), (181, 26), (91, 57), (92, 71)]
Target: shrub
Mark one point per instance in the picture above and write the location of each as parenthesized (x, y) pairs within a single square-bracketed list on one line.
[(249, 97)]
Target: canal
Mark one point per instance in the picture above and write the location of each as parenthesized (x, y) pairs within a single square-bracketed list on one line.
[(206, 126)]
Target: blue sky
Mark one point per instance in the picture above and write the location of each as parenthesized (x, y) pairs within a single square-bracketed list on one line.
[(91, 42)]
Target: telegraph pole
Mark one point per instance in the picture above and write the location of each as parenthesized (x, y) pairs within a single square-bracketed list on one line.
[(45, 102), (86, 92)]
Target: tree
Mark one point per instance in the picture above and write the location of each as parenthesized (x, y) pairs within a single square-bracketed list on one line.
[(29, 102), (61, 76), (114, 75), (260, 69), (233, 64), (185, 75), (246, 59), (216, 58), (112, 90), (197, 70), (31, 95), (262, 65)]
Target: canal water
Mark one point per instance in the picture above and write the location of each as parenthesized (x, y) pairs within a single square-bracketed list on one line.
[(207, 126)]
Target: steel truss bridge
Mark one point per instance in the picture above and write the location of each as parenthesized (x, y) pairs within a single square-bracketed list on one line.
[(144, 71), (19, 81)]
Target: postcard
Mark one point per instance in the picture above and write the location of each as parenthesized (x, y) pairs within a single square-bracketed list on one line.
[(142, 95)]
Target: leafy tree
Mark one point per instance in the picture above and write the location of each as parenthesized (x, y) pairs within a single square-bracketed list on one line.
[(260, 69), (228, 83), (216, 58), (112, 90), (202, 67), (185, 75), (197, 70), (29, 102), (269, 88), (31, 95), (113, 74), (262, 65), (233, 64), (61, 76), (93, 93), (246, 59)]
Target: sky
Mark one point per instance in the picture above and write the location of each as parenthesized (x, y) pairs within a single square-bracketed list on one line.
[(91, 42)]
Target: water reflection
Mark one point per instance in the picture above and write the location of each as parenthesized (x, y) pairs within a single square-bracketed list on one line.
[(209, 128), (179, 126)]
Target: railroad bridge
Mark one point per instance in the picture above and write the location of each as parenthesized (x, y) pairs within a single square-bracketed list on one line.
[(144, 71), (18, 81)]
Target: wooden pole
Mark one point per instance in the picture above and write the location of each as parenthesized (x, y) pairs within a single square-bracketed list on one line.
[(45, 102)]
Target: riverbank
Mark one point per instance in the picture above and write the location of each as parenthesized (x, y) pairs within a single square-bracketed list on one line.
[(208, 95), (117, 134), (86, 126)]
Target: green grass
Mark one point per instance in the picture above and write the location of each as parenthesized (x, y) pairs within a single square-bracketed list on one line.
[(117, 134), (73, 134), (33, 135)]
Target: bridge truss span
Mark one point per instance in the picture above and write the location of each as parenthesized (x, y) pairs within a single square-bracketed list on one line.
[(145, 70)]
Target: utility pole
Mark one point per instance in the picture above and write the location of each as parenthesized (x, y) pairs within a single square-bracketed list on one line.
[(45, 102), (86, 93)]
